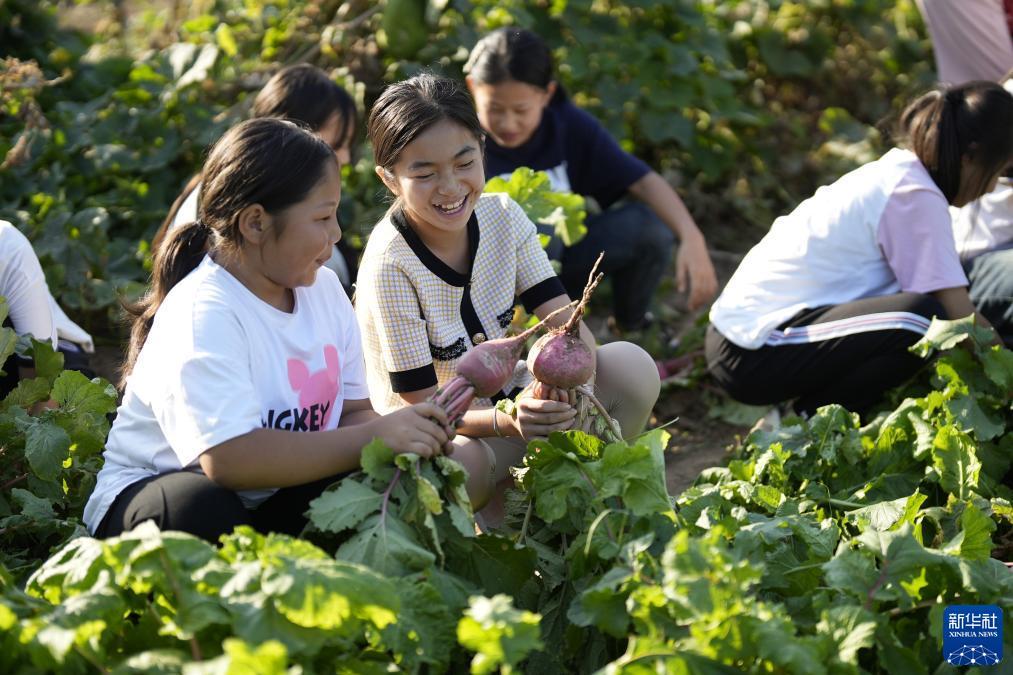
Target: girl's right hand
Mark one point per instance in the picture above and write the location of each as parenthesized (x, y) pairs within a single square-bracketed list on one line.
[(538, 418), (421, 428)]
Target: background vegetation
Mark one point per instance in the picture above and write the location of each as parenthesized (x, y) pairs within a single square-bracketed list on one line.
[(107, 107), (827, 546)]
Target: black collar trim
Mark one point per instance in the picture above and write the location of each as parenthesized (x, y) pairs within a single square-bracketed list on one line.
[(429, 259)]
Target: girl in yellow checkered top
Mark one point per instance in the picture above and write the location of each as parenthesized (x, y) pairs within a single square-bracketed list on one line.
[(443, 272)]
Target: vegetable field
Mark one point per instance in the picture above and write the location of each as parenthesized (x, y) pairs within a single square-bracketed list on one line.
[(831, 545), (824, 547)]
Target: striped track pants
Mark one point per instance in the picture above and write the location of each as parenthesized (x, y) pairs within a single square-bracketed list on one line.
[(848, 354)]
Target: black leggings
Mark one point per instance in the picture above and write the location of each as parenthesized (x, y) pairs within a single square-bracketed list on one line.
[(853, 370), (191, 502), (74, 358)]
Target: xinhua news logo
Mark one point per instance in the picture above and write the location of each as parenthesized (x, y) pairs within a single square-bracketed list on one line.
[(972, 635)]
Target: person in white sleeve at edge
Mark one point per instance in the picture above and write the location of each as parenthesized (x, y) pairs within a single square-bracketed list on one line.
[(32, 310), (983, 231), (823, 309)]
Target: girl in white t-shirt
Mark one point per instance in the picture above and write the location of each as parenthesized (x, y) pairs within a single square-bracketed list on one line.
[(235, 349), (824, 308), (443, 271), (984, 235)]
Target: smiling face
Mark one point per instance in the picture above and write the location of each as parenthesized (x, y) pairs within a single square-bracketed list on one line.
[(438, 177), (308, 231), (510, 111)]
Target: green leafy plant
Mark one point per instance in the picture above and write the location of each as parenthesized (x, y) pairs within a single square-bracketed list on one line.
[(501, 635), (561, 211), (823, 547), (48, 458)]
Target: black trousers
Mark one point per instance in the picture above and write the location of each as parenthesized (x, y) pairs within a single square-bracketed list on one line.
[(191, 502), (74, 358), (851, 362), (638, 253)]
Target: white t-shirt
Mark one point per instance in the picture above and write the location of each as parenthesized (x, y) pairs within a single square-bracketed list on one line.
[(878, 230), (985, 224), (24, 285), (219, 363)]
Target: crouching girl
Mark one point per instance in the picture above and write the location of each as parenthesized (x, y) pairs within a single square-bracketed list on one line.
[(444, 270), (824, 308), (245, 388)]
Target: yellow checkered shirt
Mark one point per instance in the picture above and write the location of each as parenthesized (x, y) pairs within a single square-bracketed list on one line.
[(418, 316)]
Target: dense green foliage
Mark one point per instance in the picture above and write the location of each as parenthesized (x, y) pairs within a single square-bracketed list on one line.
[(823, 547), (48, 460), (746, 105)]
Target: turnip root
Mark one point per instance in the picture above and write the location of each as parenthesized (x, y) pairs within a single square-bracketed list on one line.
[(594, 418), (560, 358), (484, 370)]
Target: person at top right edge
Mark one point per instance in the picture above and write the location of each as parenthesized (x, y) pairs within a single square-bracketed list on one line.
[(973, 40), (531, 122)]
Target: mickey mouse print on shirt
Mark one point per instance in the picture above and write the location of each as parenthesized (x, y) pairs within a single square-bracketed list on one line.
[(317, 393)]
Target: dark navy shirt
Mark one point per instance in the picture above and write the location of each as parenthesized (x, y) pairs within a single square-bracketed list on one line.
[(577, 152)]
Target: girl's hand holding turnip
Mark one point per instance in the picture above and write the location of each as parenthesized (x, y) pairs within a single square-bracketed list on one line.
[(547, 392), (421, 428), (538, 416)]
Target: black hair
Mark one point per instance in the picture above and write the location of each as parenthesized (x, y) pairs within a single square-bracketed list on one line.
[(304, 93), (406, 109), (513, 54), (972, 120), (270, 162), (301, 93)]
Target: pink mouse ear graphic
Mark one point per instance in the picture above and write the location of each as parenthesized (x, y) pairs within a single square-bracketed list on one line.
[(298, 374), (331, 359)]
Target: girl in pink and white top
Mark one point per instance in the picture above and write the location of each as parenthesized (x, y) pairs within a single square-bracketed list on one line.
[(824, 308)]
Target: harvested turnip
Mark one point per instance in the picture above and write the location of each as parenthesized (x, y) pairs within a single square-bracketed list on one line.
[(560, 358), (484, 370)]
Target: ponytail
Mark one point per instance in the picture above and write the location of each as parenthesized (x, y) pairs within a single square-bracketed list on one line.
[(179, 254), (170, 217), (973, 121)]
